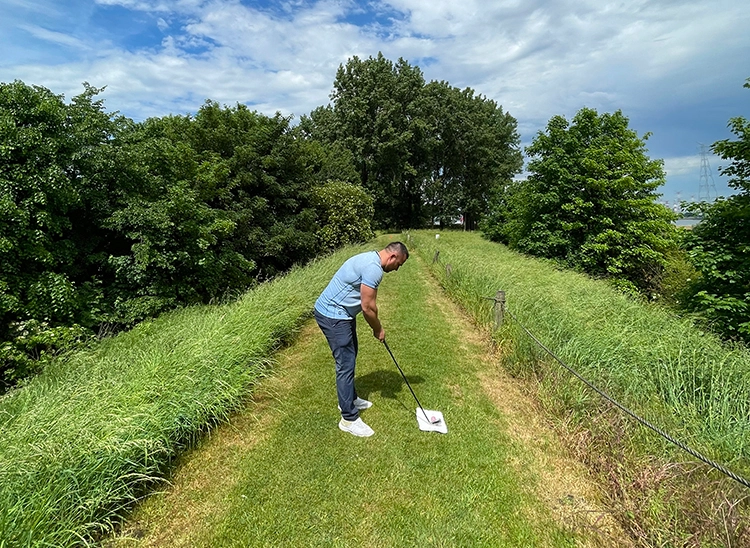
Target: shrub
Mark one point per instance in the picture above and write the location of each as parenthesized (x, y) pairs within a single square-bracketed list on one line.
[(344, 213)]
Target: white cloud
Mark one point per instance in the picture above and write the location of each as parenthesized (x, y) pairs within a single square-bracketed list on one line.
[(682, 165), (161, 6), (693, 165), (544, 58), (58, 38), (536, 58)]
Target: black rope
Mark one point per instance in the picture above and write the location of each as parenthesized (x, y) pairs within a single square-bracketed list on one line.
[(624, 409)]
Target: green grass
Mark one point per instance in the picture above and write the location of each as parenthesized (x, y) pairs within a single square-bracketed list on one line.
[(659, 365), (644, 355), (80, 443), (98, 429), (308, 484)]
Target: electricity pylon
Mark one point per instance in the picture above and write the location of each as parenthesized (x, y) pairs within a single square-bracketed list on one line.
[(706, 186)]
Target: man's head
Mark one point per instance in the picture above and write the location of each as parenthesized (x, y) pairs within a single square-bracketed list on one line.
[(393, 256)]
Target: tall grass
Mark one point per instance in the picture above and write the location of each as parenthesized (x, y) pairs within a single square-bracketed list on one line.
[(83, 441), (647, 358)]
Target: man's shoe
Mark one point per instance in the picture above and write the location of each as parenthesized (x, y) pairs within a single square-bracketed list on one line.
[(360, 404), (357, 428)]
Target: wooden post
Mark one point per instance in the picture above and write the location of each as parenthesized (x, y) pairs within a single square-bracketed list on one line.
[(499, 309), (448, 270), (437, 255)]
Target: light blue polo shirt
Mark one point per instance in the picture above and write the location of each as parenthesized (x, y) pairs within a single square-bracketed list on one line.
[(342, 299)]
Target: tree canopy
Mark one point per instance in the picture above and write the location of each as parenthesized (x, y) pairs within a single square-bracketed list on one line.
[(425, 152), (589, 201)]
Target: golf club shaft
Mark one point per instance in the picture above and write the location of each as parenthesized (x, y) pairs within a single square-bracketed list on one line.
[(407, 382)]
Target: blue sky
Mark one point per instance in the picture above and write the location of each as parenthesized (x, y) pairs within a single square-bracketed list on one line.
[(675, 68)]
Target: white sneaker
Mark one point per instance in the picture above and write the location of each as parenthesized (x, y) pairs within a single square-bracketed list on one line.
[(360, 404), (357, 428)]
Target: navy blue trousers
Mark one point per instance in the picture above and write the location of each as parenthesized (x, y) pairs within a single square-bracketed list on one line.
[(342, 338)]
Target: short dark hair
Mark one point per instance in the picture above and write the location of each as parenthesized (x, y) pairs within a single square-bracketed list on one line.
[(397, 247)]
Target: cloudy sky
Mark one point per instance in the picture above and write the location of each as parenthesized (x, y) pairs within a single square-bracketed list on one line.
[(675, 68)]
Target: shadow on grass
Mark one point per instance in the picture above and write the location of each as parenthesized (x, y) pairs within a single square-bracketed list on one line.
[(385, 382)]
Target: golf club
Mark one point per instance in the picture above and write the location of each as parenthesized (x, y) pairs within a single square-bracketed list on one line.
[(433, 420)]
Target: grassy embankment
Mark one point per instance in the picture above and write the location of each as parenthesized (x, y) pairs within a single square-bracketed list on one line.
[(80, 443), (660, 366)]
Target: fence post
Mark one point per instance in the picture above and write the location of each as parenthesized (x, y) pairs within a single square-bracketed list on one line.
[(435, 258), (499, 309)]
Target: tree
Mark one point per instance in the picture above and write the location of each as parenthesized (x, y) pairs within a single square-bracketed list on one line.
[(472, 146), (375, 110), (344, 212), (214, 203), (424, 152), (590, 201), (50, 197), (719, 245)]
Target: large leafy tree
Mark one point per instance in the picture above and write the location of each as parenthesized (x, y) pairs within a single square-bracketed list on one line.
[(215, 202), (168, 245), (375, 115), (50, 153), (720, 244), (471, 147), (424, 151), (265, 184), (590, 201), (51, 203)]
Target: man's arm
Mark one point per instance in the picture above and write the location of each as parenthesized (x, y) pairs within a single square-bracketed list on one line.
[(370, 311)]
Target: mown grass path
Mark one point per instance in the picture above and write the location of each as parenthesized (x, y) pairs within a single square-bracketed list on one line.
[(283, 474)]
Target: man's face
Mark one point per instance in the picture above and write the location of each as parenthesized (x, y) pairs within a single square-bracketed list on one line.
[(394, 262)]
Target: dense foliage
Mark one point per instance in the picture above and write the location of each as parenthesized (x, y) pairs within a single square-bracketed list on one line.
[(344, 211), (720, 244), (105, 221), (425, 152), (589, 201)]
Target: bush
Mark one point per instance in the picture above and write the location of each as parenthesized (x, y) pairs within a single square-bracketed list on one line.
[(33, 343), (345, 213), (719, 245)]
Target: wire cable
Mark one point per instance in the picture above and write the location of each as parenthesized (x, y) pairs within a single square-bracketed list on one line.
[(627, 411)]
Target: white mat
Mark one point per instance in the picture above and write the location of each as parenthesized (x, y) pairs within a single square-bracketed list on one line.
[(435, 426)]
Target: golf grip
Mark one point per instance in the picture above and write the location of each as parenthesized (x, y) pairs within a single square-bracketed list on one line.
[(406, 381)]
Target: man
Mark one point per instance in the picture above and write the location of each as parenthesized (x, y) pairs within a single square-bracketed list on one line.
[(354, 289)]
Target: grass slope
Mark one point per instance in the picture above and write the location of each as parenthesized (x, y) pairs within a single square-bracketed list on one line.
[(82, 442), (657, 364)]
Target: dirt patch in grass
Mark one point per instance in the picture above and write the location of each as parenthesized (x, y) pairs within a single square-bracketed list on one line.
[(561, 481), (205, 476)]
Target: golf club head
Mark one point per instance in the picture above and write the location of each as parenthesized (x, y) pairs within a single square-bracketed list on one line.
[(431, 421)]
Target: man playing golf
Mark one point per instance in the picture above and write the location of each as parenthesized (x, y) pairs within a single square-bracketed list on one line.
[(354, 289)]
